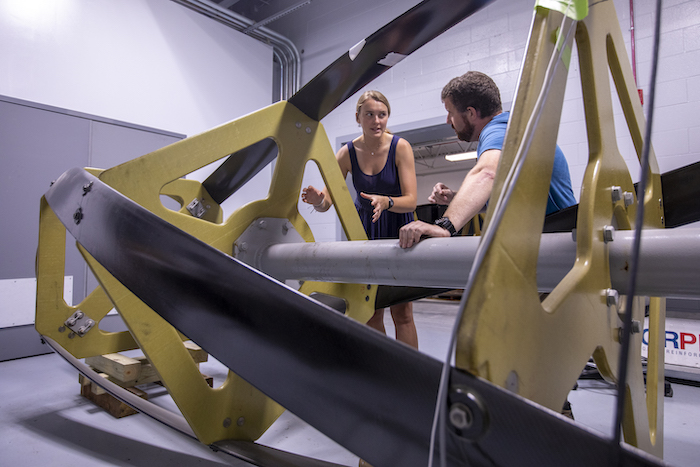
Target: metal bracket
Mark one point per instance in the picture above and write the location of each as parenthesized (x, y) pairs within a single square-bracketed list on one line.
[(79, 323), (262, 233), (197, 207)]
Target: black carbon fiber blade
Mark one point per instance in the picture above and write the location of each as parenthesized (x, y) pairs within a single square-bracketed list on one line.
[(381, 50), (681, 190), (367, 392), (239, 168)]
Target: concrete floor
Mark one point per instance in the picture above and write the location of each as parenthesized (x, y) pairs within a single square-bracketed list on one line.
[(45, 421)]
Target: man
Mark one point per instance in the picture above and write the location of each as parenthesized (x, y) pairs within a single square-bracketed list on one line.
[(473, 104)]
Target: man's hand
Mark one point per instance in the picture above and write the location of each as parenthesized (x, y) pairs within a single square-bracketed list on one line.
[(441, 194), (410, 234)]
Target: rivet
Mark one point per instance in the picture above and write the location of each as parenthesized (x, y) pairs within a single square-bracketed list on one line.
[(240, 421), (227, 422)]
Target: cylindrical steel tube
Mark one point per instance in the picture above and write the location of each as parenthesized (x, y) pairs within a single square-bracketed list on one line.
[(669, 262)]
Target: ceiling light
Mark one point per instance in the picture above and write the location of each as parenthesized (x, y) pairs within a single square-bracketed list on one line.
[(462, 156)]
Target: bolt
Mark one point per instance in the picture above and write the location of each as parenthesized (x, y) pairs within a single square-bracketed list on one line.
[(79, 314), (298, 124), (227, 422), (461, 416), (629, 198), (71, 321), (285, 228), (240, 421), (78, 216), (243, 246), (367, 298), (608, 233), (612, 297), (369, 286), (636, 326), (308, 130), (82, 330), (262, 224), (62, 329), (616, 193)]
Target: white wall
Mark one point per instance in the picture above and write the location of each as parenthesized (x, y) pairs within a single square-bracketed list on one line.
[(493, 41), (151, 62)]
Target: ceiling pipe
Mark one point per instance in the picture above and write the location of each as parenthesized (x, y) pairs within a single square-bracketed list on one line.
[(284, 50), (276, 16)]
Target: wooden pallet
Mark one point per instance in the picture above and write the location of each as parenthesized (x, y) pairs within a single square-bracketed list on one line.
[(128, 372)]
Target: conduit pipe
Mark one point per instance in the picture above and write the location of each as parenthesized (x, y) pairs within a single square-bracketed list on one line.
[(284, 50), (669, 263)]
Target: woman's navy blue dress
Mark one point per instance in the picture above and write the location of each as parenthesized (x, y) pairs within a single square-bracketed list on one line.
[(385, 183)]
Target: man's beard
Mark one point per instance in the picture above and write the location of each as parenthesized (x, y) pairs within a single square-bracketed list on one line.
[(466, 133)]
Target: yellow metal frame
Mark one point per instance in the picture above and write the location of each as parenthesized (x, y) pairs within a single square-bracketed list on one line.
[(538, 349), (235, 410)]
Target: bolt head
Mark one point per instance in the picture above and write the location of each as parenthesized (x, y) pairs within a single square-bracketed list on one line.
[(629, 198), (460, 416), (608, 233), (616, 193)]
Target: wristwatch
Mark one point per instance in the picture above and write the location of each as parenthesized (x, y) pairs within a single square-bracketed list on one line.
[(446, 224), (391, 203)]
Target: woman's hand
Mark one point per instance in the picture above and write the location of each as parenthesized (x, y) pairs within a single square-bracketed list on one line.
[(313, 196), (379, 203)]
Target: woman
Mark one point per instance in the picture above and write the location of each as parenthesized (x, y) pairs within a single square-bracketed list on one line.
[(384, 176)]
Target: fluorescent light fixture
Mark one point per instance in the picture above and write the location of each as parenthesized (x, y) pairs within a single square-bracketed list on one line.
[(462, 156)]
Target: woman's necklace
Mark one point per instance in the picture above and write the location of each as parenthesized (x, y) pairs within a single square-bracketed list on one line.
[(378, 146)]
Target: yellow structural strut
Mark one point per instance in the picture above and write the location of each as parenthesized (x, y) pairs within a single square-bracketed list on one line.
[(538, 349)]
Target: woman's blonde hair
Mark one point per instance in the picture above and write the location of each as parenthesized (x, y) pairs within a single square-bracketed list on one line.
[(377, 96)]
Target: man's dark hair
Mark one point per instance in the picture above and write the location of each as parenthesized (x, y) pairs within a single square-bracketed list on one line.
[(474, 89)]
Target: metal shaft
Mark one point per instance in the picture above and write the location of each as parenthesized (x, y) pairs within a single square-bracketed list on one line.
[(669, 262)]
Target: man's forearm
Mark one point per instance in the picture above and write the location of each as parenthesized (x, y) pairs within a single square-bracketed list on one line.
[(468, 201)]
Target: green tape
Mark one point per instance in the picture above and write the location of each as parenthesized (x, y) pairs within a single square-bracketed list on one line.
[(574, 9), (558, 39)]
